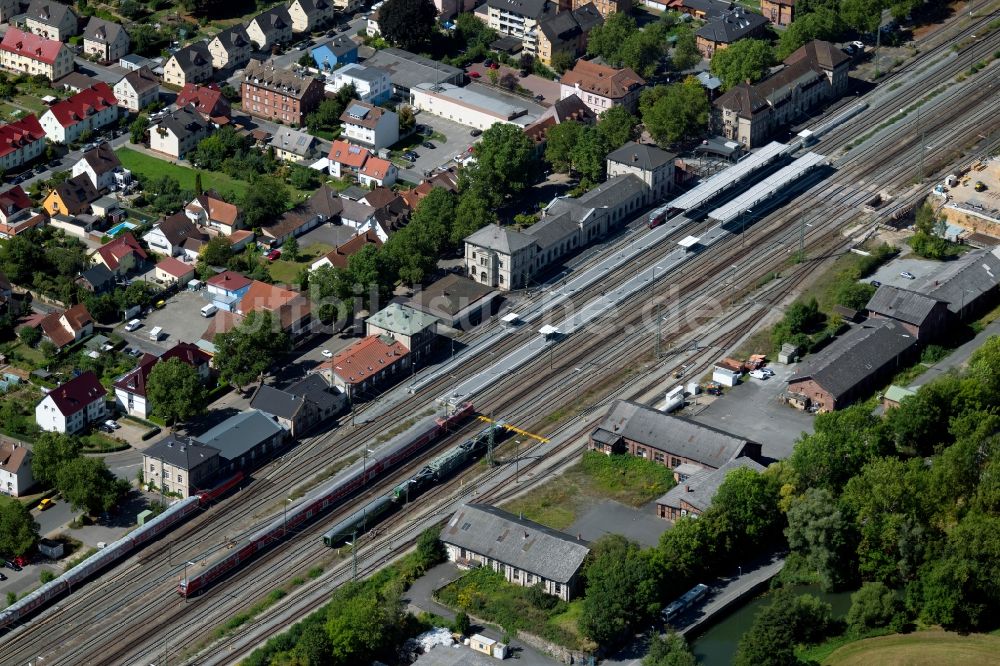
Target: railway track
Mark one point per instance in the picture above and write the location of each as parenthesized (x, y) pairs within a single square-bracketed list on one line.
[(151, 580)]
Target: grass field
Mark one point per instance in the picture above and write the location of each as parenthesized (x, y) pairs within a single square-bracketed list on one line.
[(623, 478), (930, 648), (287, 271), (154, 167)]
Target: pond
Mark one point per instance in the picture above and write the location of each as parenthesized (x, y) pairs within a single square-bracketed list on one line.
[(717, 645)]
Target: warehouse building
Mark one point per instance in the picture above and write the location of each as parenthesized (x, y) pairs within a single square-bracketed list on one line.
[(408, 70), (469, 106), (693, 496)]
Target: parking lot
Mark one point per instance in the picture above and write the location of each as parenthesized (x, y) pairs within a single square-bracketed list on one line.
[(457, 144), (755, 410), (180, 320), (924, 272)]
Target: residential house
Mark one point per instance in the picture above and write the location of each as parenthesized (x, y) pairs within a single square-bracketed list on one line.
[(850, 367), (170, 234), (778, 12), (16, 212), (924, 317), (447, 179), (365, 365), (692, 496), (339, 256), (525, 552), (173, 271), (455, 301), (97, 279), (104, 40), (308, 15), (51, 20), (371, 84), (230, 49), (207, 100), (347, 6), (519, 18), (71, 197), (20, 142), (244, 440), (507, 259), (15, 469), (654, 166), (378, 173), (337, 52), (700, 9), (227, 288), (723, 31), (449, 9), (180, 464), (178, 133), (121, 255), (130, 388), (269, 28), (813, 75), (301, 406), (369, 125), (407, 70), (346, 159), (9, 9), (30, 54), (323, 206), (65, 328), (289, 309), (601, 87), (605, 7), (99, 164), (70, 407), (414, 329), (88, 110), (208, 210), (190, 64), (567, 32), (293, 145), (281, 95), (137, 89), (568, 108)]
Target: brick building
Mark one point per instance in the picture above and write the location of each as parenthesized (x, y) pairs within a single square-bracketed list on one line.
[(278, 94), (693, 495), (925, 317)]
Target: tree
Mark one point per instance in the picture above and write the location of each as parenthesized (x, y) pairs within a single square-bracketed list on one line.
[(559, 143), (290, 249), (854, 295), (408, 24), (686, 54), (50, 452), (675, 112), (874, 606), (589, 157), (475, 210), (406, 118), (245, 353), (777, 627), (641, 52), (746, 60), (139, 128), (862, 15), (842, 443), (29, 335), (198, 189), (18, 529), (669, 650), (493, 75), (265, 200), (620, 589), (461, 623), (819, 530), (48, 349), (823, 23), (617, 126), (175, 391), (473, 32), (561, 61), (505, 163), (89, 485), (608, 40)]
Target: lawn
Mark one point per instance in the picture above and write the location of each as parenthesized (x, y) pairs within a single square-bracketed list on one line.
[(287, 271), (622, 478), (154, 167), (937, 648)]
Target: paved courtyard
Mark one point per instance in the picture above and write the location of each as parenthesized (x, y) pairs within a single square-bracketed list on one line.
[(180, 320), (610, 517)]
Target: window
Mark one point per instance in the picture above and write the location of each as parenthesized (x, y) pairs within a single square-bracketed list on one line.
[(674, 462), (558, 588), (516, 575), (166, 475), (152, 467), (180, 478)]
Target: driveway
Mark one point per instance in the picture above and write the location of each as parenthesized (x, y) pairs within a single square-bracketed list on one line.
[(180, 320), (754, 410), (457, 142), (610, 517), (328, 234)]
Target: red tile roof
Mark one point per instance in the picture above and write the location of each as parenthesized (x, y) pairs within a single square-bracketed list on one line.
[(601, 80), (116, 250), (77, 393), (348, 154), (174, 267), (53, 329), (78, 317), (134, 381), (14, 200), (364, 359), (339, 255), (24, 132), (376, 167), (69, 112), (207, 100), (228, 280), (188, 353), (30, 45), (288, 306)]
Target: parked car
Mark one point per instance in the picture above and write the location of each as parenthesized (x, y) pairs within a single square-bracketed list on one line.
[(21, 561), (427, 144), (474, 75), (111, 423), (327, 353), (767, 371), (13, 566), (876, 284), (411, 154), (488, 62), (758, 374), (107, 346), (46, 503), (908, 275), (408, 158), (3, 577), (133, 325), (425, 131), (136, 353), (105, 428), (475, 132), (274, 255)]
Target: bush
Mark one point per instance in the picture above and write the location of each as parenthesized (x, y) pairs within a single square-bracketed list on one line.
[(46, 576), (461, 624), (873, 607), (149, 434)]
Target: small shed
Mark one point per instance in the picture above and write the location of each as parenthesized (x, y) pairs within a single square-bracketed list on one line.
[(143, 516), (50, 548), (481, 643), (894, 395), (789, 353)]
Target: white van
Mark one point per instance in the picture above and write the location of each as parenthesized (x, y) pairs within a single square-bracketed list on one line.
[(209, 310), (132, 325), (155, 333)]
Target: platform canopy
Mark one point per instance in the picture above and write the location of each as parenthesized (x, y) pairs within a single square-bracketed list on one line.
[(688, 242), (548, 330), (510, 318)]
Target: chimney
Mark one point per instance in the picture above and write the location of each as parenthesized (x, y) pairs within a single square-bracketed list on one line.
[(687, 488)]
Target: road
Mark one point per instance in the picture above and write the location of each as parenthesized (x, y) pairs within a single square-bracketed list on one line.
[(133, 604)]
